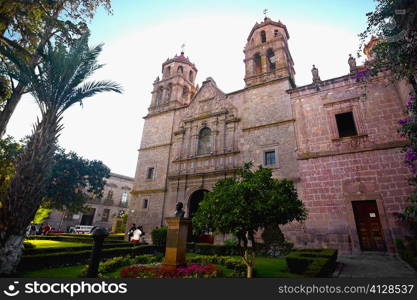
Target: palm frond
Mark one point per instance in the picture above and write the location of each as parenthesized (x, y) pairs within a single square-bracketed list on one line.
[(89, 89)]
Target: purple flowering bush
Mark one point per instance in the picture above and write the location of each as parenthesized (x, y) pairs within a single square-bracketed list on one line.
[(409, 129), (362, 75)]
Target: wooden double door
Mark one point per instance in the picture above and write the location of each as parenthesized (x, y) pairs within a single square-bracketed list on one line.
[(368, 226)]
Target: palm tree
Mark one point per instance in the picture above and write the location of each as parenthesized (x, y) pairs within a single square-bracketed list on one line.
[(56, 84)]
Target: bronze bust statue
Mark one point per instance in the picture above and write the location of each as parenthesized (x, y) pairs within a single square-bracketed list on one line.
[(179, 212)]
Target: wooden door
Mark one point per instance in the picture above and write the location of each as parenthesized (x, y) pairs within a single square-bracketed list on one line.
[(368, 226)]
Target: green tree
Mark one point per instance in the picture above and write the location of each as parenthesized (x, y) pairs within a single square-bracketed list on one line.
[(74, 180), (41, 214), (394, 23), (57, 84), (243, 205), (25, 29)]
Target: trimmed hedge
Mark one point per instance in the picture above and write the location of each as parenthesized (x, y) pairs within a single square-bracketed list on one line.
[(80, 238), (33, 251), (111, 265), (49, 260), (84, 235), (312, 262), (210, 249), (223, 250)]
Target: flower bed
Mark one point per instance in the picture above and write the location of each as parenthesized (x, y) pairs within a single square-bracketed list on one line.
[(158, 271)]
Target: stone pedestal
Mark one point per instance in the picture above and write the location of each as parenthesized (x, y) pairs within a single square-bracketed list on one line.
[(176, 246), (117, 222)]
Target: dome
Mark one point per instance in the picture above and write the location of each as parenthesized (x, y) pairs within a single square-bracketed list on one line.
[(180, 58), (268, 21)]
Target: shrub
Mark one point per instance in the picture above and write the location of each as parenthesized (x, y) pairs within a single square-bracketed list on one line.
[(190, 271), (312, 262), (235, 264), (222, 250), (408, 251), (159, 236), (65, 258), (121, 228), (275, 242), (231, 241), (210, 249), (111, 265)]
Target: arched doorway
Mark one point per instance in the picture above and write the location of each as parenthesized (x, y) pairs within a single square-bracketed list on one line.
[(193, 204)]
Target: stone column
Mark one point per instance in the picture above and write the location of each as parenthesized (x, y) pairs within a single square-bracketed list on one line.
[(176, 245)]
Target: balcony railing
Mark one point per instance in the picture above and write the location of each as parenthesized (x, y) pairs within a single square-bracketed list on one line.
[(94, 200)]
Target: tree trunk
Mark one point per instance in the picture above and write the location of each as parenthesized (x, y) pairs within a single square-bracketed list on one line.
[(10, 254), (26, 190), (249, 273), (9, 108)]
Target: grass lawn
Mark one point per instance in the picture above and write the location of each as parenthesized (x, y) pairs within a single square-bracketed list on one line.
[(55, 244), (265, 267), (61, 272)]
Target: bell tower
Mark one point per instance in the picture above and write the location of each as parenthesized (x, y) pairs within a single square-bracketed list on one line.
[(177, 84), (267, 56)]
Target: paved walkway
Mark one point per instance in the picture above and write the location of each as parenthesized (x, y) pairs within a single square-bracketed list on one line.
[(374, 265)]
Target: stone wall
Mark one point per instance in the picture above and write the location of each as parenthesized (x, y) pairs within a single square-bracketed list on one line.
[(336, 171)]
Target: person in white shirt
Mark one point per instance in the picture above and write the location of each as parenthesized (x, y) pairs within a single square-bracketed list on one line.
[(136, 235)]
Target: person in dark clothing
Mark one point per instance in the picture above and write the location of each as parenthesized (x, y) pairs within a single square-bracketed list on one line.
[(40, 229), (130, 231)]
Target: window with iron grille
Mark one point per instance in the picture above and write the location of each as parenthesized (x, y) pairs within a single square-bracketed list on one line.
[(269, 158)]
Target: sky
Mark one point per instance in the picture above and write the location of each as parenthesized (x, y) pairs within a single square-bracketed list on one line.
[(140, 35)]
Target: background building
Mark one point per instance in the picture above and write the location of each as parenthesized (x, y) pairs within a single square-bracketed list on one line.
[(100, 212), (336, 139)]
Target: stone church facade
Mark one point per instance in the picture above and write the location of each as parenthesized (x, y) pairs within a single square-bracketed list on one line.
[(336, 139)]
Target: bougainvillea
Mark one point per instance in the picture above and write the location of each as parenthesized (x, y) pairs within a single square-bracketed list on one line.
[(362, 75), (409, 129), (158, 271)]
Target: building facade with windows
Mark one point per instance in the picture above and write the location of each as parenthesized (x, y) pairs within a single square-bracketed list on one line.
[(336, 139), (99, 211)]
